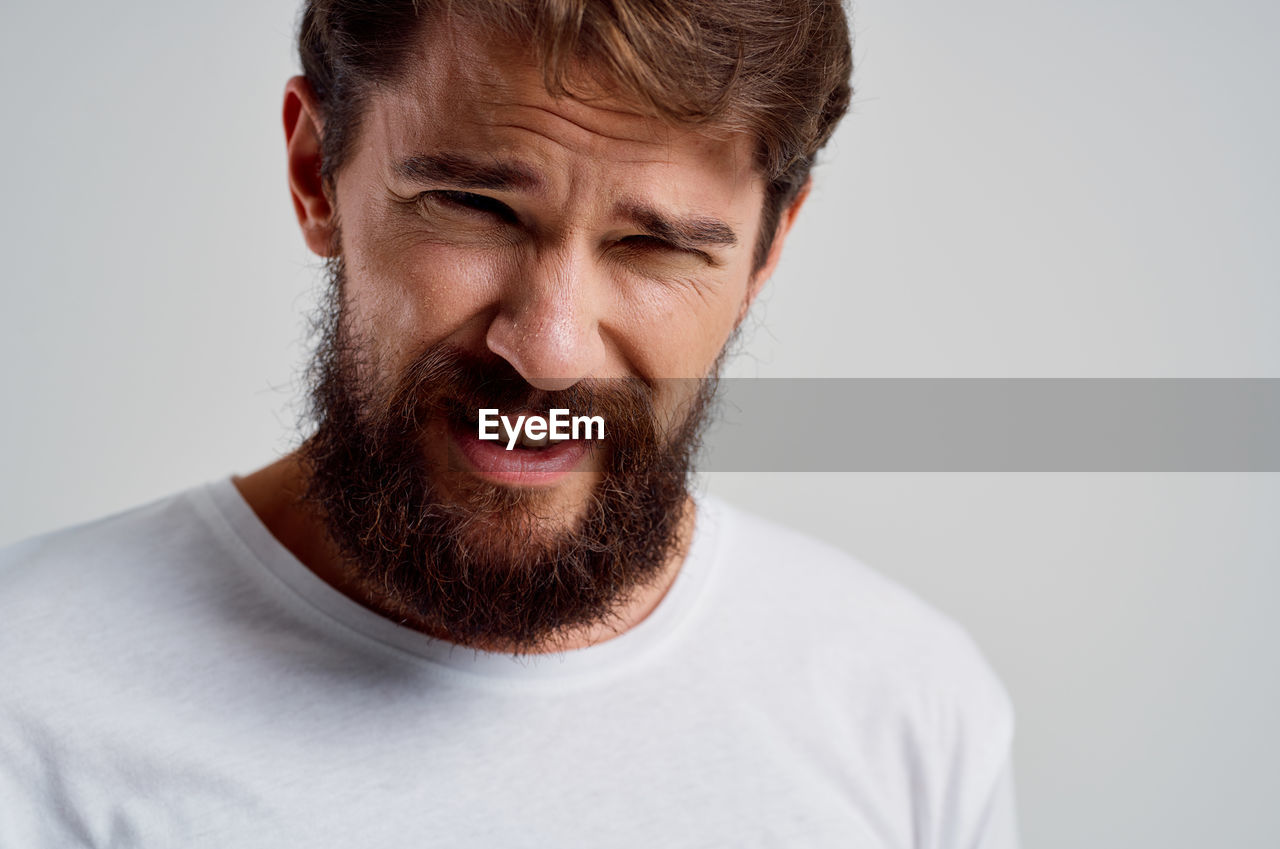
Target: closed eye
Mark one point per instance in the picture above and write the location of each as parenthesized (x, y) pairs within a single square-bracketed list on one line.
[(472, 202), (647, 242), (653, 243)]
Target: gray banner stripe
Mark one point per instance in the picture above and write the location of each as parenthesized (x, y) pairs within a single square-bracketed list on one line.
[(991, 424)]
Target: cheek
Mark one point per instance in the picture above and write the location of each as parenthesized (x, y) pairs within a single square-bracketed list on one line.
[(414, 292), (678, 331)]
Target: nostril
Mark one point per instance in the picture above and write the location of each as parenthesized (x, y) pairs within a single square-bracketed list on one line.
[(549, 356)]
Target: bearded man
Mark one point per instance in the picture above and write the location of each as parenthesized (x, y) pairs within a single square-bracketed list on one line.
[(406, 632)]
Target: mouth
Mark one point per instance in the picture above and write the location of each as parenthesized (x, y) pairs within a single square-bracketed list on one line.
[(530, 462)]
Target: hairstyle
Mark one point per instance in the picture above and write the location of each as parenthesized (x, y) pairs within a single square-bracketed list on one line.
[(776, 69)]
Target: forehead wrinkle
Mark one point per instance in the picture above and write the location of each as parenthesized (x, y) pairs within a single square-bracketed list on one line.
[(573, 135), (594, 94), (574, 148), (581, 126)]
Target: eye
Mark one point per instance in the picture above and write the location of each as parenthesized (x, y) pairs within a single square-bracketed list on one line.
[(471, 203), (641, 243), (647, 243)]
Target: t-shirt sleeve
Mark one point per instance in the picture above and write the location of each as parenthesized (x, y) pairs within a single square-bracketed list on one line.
[(999, 826), (976, 747)]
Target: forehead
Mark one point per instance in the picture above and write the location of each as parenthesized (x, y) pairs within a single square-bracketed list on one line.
[(467, 89)]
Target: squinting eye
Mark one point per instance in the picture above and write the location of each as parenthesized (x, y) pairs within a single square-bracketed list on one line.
[(473, 203), (648, 243), (661, 248)]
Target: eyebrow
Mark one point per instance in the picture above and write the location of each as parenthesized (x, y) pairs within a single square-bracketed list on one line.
[(689, 233), (465, 173)]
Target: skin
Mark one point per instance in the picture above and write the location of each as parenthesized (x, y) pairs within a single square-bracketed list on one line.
[(559, 274)]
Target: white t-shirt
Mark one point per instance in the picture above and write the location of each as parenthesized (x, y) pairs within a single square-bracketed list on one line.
[(174, 677)]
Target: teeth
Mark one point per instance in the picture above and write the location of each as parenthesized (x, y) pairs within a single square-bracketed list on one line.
[(526, 442), (506, 432)]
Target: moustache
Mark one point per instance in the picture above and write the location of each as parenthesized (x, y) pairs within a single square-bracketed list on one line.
[(445, 381)]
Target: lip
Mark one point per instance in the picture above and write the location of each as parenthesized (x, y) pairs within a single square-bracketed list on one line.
[(520, 466)]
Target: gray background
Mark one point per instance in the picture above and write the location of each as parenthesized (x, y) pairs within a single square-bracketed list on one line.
[(1082, 189)]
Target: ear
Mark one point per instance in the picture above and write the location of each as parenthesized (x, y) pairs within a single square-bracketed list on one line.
[(785, 220), (302, 133)]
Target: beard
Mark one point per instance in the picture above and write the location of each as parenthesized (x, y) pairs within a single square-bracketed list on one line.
[(472, 562)]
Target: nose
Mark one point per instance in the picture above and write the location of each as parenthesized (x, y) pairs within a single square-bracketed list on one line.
[(548, 321)]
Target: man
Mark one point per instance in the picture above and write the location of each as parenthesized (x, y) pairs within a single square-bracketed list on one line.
[(433, 624)]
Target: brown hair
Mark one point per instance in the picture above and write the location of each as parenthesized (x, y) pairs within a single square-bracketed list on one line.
[(778, 69)]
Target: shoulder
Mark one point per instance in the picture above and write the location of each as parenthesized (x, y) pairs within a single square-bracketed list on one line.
[(878, 676), (86, 558), (94, 658), (815, 605), (89, 599)]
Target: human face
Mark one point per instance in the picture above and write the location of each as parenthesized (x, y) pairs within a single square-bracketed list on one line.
[(572, 238)]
